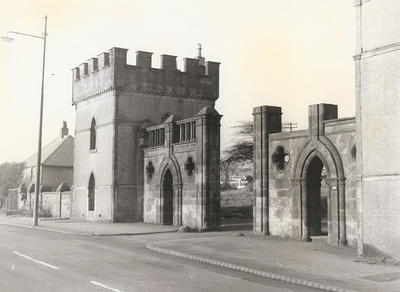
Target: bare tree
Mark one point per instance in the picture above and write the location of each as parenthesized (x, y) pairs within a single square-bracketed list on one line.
[(228, 167), (241, 151)]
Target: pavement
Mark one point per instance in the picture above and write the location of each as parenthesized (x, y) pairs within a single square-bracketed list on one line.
[(88, 228), (306, 264), (300, 263)]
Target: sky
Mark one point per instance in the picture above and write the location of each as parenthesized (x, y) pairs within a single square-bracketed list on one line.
[(283, 53)]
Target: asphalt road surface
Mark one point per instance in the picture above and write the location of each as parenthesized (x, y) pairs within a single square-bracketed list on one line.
[(36, 260)]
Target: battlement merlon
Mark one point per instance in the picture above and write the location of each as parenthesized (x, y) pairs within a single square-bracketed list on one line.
[(110, 71)]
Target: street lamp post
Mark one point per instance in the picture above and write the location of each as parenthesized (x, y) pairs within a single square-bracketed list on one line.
[(39, 152)]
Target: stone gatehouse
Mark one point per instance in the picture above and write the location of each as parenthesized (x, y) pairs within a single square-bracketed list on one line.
[(305, 180), (117, 142), (181, 179)]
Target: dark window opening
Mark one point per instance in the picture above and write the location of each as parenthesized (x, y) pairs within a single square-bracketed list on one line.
[(93, 135), (91, 193)]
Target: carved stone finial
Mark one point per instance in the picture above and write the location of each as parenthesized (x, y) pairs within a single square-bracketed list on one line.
[(199, 50), (200, 58)]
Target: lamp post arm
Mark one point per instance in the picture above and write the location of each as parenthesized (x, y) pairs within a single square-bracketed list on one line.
[(30, 35)]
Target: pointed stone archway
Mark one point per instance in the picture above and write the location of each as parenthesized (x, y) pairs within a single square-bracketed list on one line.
[(315, 158), (170, 200), (167, 199)]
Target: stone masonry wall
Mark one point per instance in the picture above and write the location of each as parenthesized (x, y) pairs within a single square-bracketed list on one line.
[(51, 204), (98, 161), (377, 63), (152, 186), (12, 199), (285, 211), (288, 155), (194, 163), (56, 204)]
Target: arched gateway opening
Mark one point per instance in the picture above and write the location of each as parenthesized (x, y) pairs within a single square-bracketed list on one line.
[(322, 191), (167, 201), (317, 193)]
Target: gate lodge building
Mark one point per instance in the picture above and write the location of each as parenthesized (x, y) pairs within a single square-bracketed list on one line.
[(147, 140)]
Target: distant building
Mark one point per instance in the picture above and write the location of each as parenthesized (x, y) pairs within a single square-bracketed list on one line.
[(56, 179), (238, 182), (57, 163), (240, 177)]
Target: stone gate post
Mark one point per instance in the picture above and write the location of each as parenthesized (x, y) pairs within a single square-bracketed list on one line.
[(266, 120)]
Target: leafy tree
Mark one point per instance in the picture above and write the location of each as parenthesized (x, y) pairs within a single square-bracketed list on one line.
[(241, 151), (10, 177)]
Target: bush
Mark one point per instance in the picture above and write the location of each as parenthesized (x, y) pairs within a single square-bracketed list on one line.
[(24, 212), (45, 213), (28, 212)]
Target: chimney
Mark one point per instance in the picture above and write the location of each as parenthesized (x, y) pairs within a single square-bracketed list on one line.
[(202, 60), (64, 130)]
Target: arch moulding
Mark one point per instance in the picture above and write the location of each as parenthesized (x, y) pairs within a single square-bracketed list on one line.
[(172, 164), (330, 157)]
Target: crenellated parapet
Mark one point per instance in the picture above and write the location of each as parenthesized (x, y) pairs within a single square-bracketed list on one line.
[(110, 71)]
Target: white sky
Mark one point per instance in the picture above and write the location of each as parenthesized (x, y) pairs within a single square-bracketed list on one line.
[(285, 53)]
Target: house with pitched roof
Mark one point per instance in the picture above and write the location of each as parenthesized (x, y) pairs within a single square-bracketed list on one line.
[(57, 163)]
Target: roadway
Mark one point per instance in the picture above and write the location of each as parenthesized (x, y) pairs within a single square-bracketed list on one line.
[(37, 260)]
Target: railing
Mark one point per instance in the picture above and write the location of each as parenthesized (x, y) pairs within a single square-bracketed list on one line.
[(156, 137), (187, 131), (184, 131)]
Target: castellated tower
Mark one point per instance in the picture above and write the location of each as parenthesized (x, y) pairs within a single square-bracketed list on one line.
[(377, 64), (113, 102)]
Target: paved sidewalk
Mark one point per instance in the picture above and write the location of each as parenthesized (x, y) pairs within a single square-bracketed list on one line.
[(89, 228), (328, 266)]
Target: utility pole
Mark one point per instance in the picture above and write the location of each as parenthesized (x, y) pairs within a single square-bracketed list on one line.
[(289, 126), (39, 155)]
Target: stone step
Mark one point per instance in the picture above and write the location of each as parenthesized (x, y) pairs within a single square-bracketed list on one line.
[(319, 239)]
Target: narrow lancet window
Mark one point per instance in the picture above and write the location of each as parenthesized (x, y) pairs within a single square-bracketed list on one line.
[(91, 193), (93, 135)]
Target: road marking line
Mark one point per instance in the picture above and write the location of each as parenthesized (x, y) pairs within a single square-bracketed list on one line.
[(105, 286), (36, 261)]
